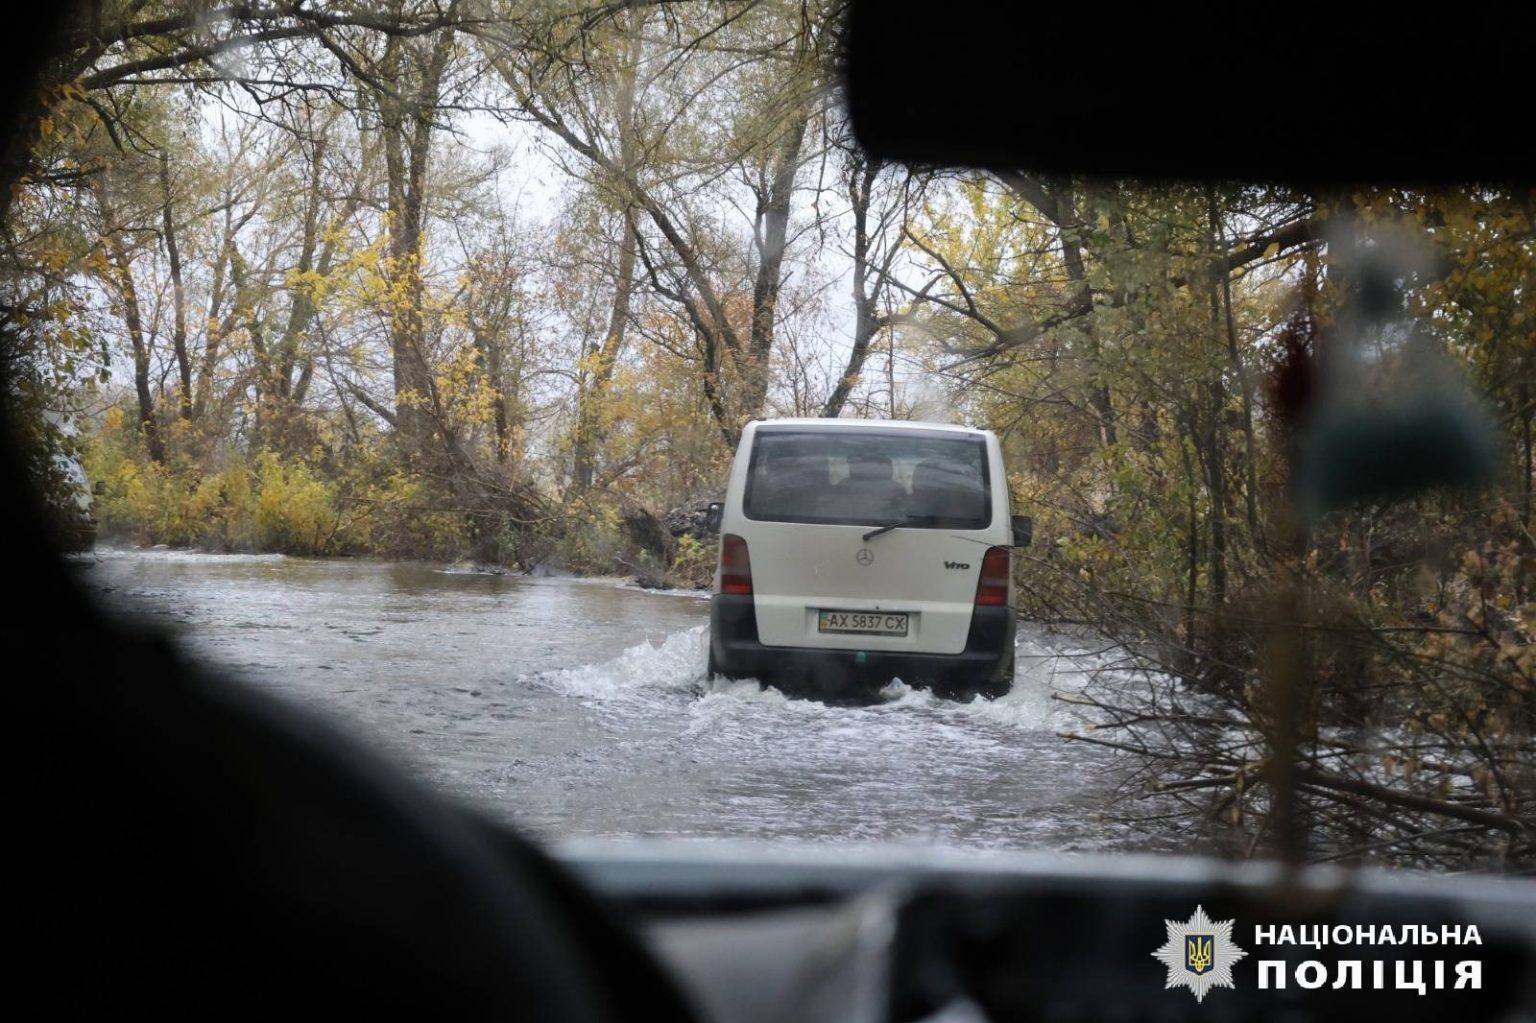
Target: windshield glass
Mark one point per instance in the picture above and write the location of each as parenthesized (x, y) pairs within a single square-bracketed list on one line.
[(918, 480), (406, 348)]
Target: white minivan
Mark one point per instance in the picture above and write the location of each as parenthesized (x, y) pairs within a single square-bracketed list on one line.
[(853, 552)]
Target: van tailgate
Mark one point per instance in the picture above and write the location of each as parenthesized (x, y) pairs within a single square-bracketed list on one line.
[(800, 570)]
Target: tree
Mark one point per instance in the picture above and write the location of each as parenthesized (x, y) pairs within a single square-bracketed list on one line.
[(548, 66)]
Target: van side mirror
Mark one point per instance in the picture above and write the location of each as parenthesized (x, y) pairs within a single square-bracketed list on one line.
[(99, 488), (713, 516), (1023, 530)]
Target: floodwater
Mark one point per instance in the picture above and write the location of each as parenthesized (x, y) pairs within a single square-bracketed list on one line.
[(576, 707)]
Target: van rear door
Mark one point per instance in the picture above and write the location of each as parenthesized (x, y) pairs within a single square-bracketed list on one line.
[(812, 503)]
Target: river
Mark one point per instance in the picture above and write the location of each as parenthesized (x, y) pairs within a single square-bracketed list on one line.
[(576, 707)]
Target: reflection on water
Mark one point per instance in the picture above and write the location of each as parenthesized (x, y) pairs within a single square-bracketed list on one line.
[(576, 706)]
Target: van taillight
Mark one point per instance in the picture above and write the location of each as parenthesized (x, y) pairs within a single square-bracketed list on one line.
[(735, 565), (992, 589)]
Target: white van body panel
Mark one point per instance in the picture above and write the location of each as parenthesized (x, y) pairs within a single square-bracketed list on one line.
[(800, 569)]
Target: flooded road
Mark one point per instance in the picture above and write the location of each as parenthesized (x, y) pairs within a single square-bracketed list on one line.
[(581, 707)]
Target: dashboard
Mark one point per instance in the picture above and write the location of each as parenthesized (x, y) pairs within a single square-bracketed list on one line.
[(760, 933)]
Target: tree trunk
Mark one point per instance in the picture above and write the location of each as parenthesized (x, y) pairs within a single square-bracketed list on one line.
[(603, 358), (407, 123), (772, 231), (1521, 586), (1191, 562), (289, 355), (1082, 305), (215, 330), (128, 296), (861, 181), (771, 234), (1213, 456), (490, 353), (178, 291), (1244, 379)]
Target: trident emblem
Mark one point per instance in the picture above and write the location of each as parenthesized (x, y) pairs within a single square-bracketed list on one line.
[(1197, 953)]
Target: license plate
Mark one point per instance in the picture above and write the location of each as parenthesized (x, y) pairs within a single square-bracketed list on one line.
[(867, 623)]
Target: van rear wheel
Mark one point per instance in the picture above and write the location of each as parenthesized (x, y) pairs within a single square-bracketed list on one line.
[(1000, 684)]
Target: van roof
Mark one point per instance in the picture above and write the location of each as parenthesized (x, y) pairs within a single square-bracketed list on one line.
[(864, 424)]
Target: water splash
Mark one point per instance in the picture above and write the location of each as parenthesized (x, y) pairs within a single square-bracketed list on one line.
[(675, 667)]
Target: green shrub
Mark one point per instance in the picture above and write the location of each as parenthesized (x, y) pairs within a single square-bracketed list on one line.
[(693, 564)]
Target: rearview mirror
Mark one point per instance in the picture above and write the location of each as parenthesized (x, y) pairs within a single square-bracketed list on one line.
[(713, 515), (1023, 530)]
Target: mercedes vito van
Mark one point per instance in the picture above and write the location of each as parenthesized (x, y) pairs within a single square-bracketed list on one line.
[(853, 552)]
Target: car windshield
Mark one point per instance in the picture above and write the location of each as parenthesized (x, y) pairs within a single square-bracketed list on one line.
[(407, 349), (917, 480)]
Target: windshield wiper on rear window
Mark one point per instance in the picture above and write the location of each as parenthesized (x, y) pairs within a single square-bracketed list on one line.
[(884, 529)]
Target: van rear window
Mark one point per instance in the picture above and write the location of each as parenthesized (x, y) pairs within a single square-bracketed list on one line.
[(920, 480)]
